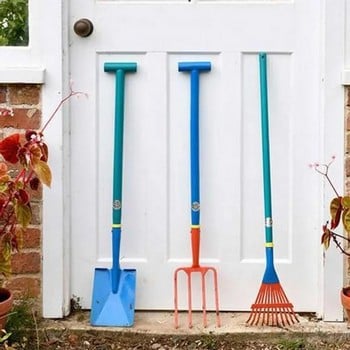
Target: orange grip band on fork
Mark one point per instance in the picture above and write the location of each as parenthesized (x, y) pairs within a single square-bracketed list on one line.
[(195, 239)]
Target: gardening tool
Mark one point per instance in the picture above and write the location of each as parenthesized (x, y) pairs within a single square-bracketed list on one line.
[(113, 298), (271, 306), (195, 68)]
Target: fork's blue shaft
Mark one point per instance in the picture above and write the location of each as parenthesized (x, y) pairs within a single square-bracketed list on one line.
[(194, 68)]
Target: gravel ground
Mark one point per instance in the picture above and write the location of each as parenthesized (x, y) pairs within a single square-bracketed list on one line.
[(129, 341), (155, 331)]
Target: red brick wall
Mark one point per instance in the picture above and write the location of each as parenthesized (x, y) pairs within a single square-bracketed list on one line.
[(25, 100)]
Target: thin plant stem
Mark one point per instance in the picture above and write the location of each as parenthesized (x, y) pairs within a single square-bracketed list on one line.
[(71, 94), (325, 174)]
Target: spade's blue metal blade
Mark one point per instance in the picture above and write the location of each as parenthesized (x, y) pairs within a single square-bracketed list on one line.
[(113, 309)]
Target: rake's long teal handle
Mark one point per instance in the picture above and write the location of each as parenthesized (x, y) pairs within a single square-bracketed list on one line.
[(120, 69), (265, 146), (270, 275)]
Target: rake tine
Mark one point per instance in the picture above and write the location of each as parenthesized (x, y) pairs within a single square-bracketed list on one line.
[(272, 308)]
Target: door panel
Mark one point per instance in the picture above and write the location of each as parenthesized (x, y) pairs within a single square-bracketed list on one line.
[(156, 193)]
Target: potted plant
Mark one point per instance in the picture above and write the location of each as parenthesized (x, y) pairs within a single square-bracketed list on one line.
[(339, 208), (23, 170)]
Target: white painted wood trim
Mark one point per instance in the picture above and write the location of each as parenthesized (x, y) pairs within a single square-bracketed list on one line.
[(333, 144), (41, 62), (55, 278), (25, 75), (346, 77)]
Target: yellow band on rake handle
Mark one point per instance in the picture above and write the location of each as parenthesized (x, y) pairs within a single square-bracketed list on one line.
[(195, 226), (268, 244), (116, 225)]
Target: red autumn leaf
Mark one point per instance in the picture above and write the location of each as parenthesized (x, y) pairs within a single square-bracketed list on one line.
[(34, 183), (45, 152), (23, 196), (35, 153), (326, 237), (9, 147), (336, 209), (30, 134), (3, 168)]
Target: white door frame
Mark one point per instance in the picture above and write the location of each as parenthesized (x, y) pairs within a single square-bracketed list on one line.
[(56, 216), (41, 62), (334, 17)]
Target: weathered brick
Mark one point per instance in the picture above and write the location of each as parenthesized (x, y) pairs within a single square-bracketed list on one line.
[(347, 166), (36, 195), (3, 92), (24, 94), (347, 143), (347, 96), (347, 118), (25, 280), (28, 287), (23, 118), (32, 238), (36, 213), (26, 262), (347, 186)]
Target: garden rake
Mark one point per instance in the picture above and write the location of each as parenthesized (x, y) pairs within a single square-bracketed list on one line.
[(195, 68), (271, 306)]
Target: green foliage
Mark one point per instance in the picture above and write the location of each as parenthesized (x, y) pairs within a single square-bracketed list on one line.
[(4, 336), (292, 344), (20, 320), (13, 22)]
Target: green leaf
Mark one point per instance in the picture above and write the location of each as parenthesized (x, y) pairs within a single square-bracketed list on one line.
[(5, 337), (43, 172), (3, 187), (23, 214), (5, 259), (346, 202), (346, 219)]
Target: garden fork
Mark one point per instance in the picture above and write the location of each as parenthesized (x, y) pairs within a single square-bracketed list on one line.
[(194, 68)]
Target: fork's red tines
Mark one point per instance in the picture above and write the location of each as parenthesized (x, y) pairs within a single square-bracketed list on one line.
[(203, 270)]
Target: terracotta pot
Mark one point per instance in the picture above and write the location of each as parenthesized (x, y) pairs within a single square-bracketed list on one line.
[(345, 300), (6, 301)]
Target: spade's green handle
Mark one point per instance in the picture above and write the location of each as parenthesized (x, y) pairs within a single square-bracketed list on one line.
[(120, 69)]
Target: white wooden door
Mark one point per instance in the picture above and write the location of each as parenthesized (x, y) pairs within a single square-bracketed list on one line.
[(156, 194)]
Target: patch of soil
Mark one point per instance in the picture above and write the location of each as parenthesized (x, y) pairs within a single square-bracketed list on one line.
[(107, 340)]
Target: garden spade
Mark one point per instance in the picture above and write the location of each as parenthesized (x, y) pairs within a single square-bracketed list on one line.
[(113, 297)]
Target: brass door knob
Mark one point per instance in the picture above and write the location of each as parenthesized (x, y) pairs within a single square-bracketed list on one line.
[(83, 27)]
